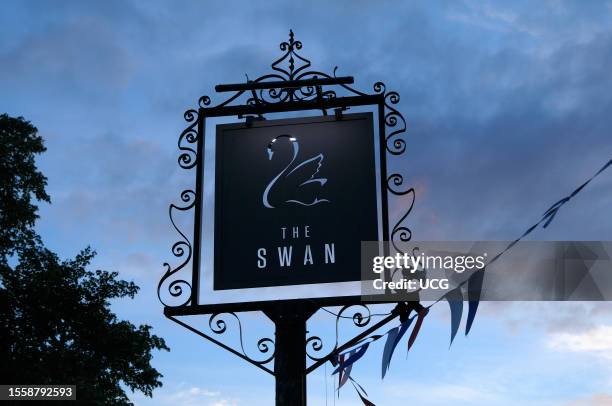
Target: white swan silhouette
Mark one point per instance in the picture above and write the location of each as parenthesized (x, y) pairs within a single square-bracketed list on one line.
[(286, 172)]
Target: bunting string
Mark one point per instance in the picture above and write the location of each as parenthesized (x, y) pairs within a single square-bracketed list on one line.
[(546, 218), (455, 299)]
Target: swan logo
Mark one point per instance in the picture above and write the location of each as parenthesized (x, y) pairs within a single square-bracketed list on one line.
[(295, 173)]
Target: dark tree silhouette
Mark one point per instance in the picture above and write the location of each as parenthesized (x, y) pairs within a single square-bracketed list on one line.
[(20, 181), (56, 326)]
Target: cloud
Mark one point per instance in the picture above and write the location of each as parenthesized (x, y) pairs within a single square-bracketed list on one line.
[(437, 394), (496, 136), (188, 396), (596, 342), (489, 17), (83, 58), (548, 317)]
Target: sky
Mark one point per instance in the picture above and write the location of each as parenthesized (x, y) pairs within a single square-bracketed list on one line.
[(507, 108)]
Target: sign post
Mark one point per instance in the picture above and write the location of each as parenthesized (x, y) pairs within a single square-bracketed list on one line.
[(280, 232), (290, 361)]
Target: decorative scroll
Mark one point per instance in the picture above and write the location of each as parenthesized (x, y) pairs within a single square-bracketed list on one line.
[(178, 288), (265, 345), (359, 314), (289, 67), (187, 141), (399, 231), (217, 326)]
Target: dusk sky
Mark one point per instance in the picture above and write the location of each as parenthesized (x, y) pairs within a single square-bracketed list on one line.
[(508, 109)]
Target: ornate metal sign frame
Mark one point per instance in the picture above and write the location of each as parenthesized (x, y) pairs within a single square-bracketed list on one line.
[(292, 86)]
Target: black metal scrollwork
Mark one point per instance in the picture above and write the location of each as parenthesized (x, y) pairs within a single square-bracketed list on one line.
[(290, 66), (359, 314), (396, 145), (180, 249), (188, 138), (265, 345), (403, 233)]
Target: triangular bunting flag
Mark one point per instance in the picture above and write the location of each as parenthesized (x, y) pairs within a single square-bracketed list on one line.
[(455, 301), (417, 327), (474, 292)]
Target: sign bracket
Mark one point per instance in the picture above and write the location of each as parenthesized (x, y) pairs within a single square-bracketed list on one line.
[(291, 86)]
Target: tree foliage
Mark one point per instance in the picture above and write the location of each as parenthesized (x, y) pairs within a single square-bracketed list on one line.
[(56, 325), (20, 181)]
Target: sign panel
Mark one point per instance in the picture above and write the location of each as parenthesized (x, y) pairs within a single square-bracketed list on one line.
[(294, 199)]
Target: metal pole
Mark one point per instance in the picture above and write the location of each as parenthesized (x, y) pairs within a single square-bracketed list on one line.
[(290, 355), (290, 361)]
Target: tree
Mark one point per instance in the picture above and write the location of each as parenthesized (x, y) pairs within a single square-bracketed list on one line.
[(20, 181), (56, 326)]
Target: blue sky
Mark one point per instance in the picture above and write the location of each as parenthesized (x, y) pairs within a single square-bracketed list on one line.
[(508, 109)]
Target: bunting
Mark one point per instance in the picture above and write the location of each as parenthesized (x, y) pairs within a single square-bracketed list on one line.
[(354, 356), (455, 301), (393, 338), (417, 327), (474, 291), (345, 373), (475, 281)]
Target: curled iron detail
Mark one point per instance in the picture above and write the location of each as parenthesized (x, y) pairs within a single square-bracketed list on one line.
[(187, 140), (265, 345), (182, 249), (396, 124), (359, 314), (314, 343), (399, 231)]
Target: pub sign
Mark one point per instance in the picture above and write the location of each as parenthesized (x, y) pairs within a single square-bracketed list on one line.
[(294, 198)]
